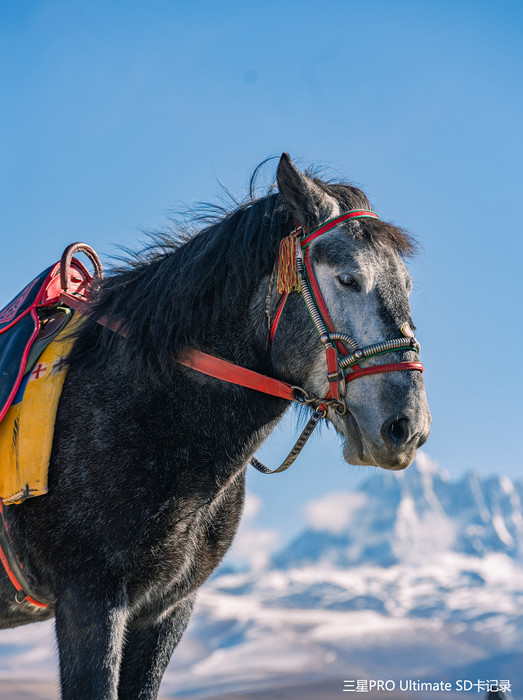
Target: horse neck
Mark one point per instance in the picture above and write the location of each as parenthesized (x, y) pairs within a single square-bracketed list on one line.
[(240, 332)]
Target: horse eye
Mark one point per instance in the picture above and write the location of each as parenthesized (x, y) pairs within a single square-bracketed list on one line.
[(349, 281)]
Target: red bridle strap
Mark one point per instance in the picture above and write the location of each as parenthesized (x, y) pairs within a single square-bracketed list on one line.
[(356, 370), (277, 315), (234, 374), (305, 242), (382, 369), (332, 223)]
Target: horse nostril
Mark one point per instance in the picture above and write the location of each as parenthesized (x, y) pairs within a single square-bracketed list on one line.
[(396, 431)]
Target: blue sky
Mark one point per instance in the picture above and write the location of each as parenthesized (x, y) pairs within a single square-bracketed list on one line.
[(115, 113)]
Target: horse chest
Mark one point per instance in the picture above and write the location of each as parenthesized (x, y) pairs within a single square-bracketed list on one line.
[(183, 549)]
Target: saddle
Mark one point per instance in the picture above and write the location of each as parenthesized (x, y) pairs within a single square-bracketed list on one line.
[(38, 314), (33, 330)]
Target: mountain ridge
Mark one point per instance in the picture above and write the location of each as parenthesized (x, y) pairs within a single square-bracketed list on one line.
[(398, 517)]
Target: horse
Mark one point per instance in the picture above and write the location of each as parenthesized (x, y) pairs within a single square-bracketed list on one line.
[(147, 471)]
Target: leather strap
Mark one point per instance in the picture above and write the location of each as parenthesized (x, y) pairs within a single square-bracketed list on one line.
[(298, 446), (234, 374), (277, 316), (382, 369), (320, 301), (321, 307), (332, 223), (67, 259), (14, 570)]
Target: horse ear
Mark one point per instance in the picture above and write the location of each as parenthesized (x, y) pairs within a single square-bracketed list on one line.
[(308, 202)]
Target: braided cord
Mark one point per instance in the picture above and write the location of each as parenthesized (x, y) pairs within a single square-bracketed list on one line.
[(313, 421)]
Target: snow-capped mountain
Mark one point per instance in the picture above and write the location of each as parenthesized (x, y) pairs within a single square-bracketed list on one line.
[(399, 517), (452, 616)]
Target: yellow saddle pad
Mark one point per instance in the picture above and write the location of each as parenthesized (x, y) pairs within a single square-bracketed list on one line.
[(26, 432)]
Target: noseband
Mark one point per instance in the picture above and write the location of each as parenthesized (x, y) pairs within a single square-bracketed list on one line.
[(296, 273)]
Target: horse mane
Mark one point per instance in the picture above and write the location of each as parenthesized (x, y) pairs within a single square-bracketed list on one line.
[(169, 295)]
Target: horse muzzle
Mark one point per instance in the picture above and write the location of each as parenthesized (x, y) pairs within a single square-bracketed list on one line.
[(393, 446)]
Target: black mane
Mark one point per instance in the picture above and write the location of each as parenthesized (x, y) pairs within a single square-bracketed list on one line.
[(170, 295)]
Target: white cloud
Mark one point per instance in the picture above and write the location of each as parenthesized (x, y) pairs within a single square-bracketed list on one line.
[(255, 547), (252, 545), (427, 465), (252, 506), (335, 511)]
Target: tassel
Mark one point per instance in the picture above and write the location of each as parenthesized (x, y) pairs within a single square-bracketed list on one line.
[(288, 277)]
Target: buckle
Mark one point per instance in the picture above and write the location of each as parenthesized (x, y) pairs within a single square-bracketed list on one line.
[(335, 377)]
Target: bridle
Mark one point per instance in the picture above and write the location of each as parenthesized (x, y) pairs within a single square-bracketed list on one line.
[(342, 364), (295, 274)]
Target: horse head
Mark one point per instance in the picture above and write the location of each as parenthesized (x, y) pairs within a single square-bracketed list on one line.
[(364, 284)]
